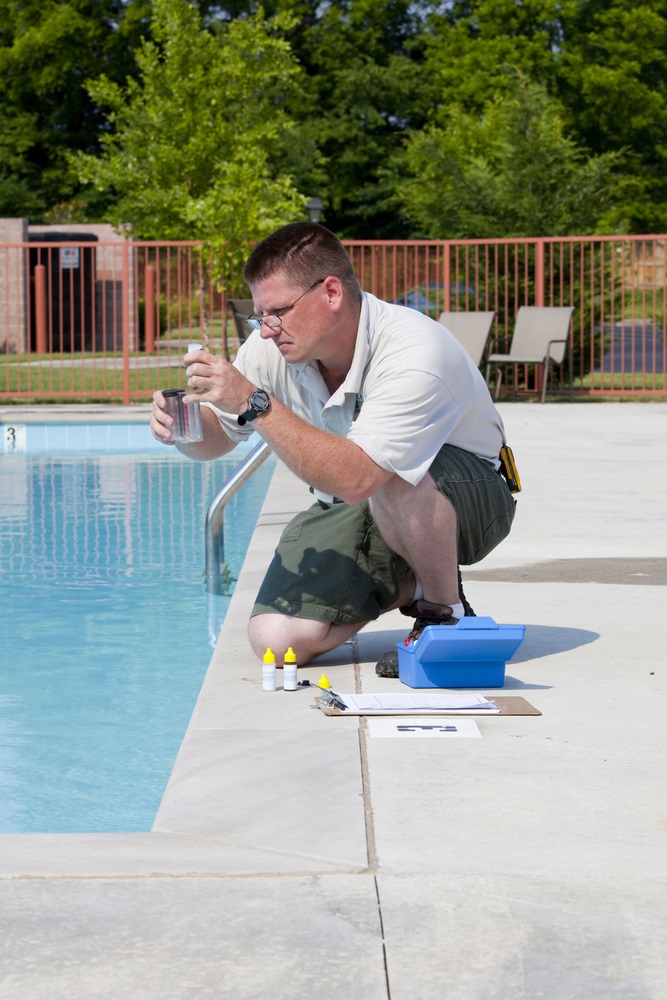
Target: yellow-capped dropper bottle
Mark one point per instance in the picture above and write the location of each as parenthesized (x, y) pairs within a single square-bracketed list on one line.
[(289, 671), (269, 670)]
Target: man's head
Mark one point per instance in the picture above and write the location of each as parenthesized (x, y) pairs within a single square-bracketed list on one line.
[(305, 253)]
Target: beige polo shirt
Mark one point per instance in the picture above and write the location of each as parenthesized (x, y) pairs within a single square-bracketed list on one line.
[(411, 388)]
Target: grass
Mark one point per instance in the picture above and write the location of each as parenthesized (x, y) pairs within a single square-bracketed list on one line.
[(635, 382), (98, 377), (40, 378), (35, 378)]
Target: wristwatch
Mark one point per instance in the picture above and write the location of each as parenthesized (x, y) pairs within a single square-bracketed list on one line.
[(258, 403)]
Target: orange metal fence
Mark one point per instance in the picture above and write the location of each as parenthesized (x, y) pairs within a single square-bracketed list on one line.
[(110, 321)]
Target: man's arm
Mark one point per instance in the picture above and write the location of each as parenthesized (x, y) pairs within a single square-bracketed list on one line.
[(330, 463)]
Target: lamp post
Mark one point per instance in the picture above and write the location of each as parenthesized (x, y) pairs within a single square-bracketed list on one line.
[(315, 206)]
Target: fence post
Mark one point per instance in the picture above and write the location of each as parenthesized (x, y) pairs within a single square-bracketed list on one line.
[(540, 372), (41, 345), (149, 310), (446, 277), (126, 321), (539, 272)]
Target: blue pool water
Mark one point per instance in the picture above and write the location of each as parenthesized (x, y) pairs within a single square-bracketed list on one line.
[(105, 626)]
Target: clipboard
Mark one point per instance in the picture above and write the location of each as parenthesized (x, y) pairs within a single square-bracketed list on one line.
[(505, 704)]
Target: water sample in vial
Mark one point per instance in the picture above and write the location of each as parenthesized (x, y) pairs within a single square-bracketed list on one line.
[(187, 426)]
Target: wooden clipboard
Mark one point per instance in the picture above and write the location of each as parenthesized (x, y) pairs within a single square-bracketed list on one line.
[(508, 704)]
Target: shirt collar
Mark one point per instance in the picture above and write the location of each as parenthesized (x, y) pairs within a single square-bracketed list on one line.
[(308, 373)]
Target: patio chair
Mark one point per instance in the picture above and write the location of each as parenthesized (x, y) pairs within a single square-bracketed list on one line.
[(471, 329), (240, 309), (540, 338)]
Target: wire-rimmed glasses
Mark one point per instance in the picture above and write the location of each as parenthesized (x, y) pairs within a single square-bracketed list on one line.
[(274, 320)]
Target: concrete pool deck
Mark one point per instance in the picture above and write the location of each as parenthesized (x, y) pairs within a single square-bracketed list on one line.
[(300, 856)]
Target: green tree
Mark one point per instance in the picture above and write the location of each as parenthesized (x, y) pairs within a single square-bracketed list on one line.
[(190, 151), (365, 86), (509, 171), (604, 60), (47, 49), (364, 61), (612, 81), (471, 44)]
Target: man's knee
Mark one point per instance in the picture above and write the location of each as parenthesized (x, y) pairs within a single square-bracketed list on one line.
[(306, 636)]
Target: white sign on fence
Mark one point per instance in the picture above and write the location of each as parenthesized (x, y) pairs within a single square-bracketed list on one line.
[(69, 258)]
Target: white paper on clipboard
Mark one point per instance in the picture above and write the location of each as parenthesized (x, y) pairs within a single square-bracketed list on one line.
[(400, 703)]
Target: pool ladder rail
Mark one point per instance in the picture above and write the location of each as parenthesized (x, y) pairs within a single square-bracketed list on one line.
[(214, 530)]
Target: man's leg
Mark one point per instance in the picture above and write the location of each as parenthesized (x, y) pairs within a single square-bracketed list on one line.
[(308, 638), (458, 513), (332, 572), (420, 524)]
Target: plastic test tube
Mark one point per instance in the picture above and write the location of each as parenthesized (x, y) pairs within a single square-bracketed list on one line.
[(187, 417), (192, 413)]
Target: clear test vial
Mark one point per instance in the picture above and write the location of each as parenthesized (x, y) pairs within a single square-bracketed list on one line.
[(192, 412), (187, 418), (192, 419), (174, 407)]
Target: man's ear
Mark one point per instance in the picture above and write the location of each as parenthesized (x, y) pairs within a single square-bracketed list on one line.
[(333, 287)]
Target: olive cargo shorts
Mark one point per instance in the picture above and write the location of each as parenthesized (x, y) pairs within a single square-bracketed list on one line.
[(333, 565)]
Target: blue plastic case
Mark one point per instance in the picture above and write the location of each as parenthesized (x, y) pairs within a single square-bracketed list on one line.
[(472, 653)]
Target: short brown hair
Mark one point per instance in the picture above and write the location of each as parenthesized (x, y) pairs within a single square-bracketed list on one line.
[(304, 252)]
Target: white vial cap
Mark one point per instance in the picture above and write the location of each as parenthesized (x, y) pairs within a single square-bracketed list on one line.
[(194, 347)]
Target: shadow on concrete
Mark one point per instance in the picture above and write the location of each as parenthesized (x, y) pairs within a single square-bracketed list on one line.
[(633, 572), (540, 640), (545, 640)]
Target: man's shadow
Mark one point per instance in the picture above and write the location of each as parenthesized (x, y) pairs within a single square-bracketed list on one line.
[(298, 591)]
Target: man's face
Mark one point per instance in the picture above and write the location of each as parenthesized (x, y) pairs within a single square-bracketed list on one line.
[(303, 317)]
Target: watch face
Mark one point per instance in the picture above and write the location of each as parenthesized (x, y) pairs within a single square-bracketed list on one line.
[(259, 401)]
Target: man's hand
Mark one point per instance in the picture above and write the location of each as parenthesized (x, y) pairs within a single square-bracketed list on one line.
[(215, 442), (214, 380), (161, 423)]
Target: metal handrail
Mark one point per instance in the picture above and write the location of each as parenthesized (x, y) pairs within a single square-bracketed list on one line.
[(215, 540)]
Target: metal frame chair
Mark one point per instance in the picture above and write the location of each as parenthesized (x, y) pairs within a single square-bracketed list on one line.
[(541, 337), (471, 329), (240, 309)]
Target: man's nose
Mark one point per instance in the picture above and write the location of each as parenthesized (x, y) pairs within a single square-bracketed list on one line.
[(267, 332)]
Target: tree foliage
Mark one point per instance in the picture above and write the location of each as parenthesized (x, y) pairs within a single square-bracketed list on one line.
[(604, 60), (47, 50), (373, 72), (612, 81), (191, 151), (509, 171)]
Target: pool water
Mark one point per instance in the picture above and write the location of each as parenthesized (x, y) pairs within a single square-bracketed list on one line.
[(106, 629)]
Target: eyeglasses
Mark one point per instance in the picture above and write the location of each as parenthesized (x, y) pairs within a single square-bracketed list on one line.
[(274, 320)]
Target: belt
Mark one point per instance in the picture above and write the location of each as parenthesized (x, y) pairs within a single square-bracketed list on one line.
[(328, 506), (324, 504)]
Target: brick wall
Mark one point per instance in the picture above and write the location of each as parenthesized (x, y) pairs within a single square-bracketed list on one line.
[(15, 319), (13, 287)]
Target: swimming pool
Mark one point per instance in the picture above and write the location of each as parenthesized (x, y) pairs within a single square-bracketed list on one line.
[(105, 624)]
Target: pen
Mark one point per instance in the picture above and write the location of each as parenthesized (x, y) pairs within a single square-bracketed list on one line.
[(331, 698), (327, 696)]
